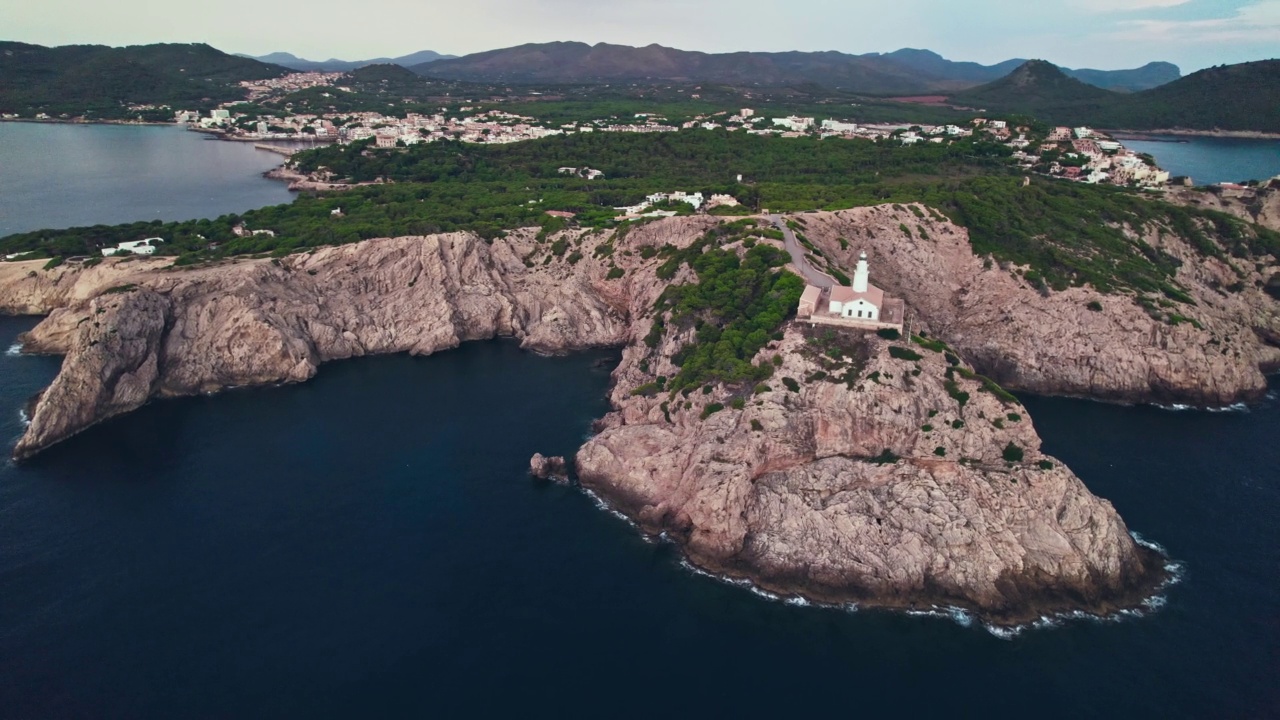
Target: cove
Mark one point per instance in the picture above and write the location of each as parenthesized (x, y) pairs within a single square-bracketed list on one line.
[(369, 543)]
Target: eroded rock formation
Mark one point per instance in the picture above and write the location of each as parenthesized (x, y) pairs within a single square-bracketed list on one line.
[(889, 479)]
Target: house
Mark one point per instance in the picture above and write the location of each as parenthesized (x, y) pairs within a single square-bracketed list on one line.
[(809, 300), (135, 247), (862, 300), (861, 305)]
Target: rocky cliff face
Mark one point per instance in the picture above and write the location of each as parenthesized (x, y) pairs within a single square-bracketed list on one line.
[(885, 489), (890, 477), (262, 322), (1054, 343), (1260, 205)]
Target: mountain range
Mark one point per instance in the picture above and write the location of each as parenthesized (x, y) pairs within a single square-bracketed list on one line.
[(1241, 97), (293, 62), (903, 72)]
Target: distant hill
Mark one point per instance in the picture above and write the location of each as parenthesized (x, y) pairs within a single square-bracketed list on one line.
[(904, 72), (1241, 97), (931, 63), (293, 62), (1151, 75), (101, 81), (1037, 88), (574, 62)]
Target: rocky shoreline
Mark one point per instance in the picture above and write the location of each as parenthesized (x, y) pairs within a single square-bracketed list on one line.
[(888, 473)]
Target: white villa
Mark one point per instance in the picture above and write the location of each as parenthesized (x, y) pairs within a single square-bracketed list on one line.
[(136, 247), (859, 305)]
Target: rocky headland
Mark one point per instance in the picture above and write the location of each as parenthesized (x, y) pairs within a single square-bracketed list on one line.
[(888, 472)]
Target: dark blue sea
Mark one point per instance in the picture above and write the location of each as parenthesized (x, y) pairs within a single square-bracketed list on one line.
[(369, 545), (1211, 160)]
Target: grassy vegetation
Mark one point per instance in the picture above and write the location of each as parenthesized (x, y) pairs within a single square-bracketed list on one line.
[(735, 306), (1060, 233)]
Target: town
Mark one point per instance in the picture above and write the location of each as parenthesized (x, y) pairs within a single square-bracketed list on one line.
[(1078, 154)]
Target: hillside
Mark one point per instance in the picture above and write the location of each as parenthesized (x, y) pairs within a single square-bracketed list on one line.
[(926, 61), (904, 72), (1229, 97), (293, 62), (1148, 76), (1232, 97), (99, 82), (573, 62), (1037, 88)]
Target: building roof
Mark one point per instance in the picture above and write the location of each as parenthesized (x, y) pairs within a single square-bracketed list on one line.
[(845, 295), (812, 294)]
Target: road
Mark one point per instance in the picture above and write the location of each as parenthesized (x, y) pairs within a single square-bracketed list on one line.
[(810, 274)]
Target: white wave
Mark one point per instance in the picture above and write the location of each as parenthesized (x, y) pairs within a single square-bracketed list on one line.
[(1004, 632), (14, 350), (798, 602), (1238, 407), (22, 417), (1149, 544), (601, 504)]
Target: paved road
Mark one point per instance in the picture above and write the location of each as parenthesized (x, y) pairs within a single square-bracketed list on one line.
[(810, 274)]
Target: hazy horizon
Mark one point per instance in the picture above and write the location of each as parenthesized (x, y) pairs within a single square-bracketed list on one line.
[(1100, 34)]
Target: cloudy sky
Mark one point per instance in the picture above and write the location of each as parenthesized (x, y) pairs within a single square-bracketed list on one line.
[(1106, 34)]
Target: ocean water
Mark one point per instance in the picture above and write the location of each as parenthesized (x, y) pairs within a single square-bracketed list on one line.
[(1209, 160), (59, 176), (369, 545)]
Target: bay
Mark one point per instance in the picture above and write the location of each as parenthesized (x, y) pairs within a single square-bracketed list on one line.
[(370, 544), (1212, 160), (60, 176)]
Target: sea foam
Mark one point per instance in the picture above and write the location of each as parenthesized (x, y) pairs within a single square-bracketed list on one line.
[(14, 350)]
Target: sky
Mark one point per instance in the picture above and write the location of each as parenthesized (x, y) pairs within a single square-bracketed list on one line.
[(1103, 34)]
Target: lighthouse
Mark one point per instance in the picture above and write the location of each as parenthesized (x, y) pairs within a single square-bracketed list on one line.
[(861, 275)]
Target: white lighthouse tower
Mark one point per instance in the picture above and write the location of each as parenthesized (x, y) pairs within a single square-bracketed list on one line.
[(861, 275)]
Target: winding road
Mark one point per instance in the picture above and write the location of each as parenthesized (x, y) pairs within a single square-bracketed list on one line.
[(811, 275)]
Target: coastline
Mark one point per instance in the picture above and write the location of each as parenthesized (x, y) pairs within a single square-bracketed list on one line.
[(1156, 135), (82, 121)]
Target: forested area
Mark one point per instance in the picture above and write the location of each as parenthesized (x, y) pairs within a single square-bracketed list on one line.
[(97, 82), (1066, 233)]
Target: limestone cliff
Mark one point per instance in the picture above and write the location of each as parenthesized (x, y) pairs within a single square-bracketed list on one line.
[(880, 477)]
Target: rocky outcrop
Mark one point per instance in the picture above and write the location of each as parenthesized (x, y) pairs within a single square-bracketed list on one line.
[(1258, 205), (885, 489), (1077, 342), (262, 322), (549, 468), (859, 473)]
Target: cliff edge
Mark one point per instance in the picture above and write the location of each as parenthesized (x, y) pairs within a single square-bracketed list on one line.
[(891, 472)]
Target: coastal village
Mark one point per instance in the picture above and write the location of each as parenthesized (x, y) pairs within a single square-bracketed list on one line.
[(1077, 154)]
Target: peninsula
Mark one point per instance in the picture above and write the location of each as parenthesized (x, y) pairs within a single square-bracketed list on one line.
[(838, 464)]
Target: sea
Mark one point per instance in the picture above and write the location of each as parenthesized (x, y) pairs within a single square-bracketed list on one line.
[(1212, 160), (61, 176), (369, 544)]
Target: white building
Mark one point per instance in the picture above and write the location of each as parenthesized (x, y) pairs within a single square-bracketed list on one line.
[(862, 301), (795, 124), (840, 127), (136, 247)]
